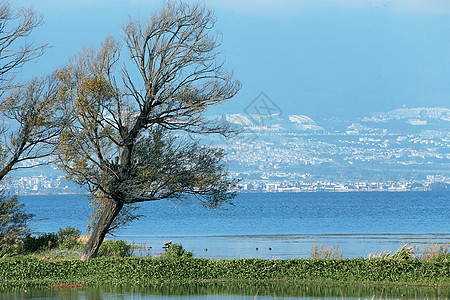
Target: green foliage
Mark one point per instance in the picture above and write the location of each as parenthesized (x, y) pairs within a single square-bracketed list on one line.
[(64, 244), (65, 239), (177, 251), (68, 238), (40, 242), (132, 270), (444, 258), (117, 248), (13, 220), (8, 251), (405, 252)]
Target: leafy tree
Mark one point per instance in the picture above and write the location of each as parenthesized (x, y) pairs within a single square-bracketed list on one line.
[(13, 220), (134, 130)]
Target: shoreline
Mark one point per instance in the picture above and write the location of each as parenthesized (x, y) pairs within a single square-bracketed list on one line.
[(282, 192)]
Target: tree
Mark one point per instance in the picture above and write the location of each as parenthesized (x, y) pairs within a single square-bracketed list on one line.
[(15, 48), (31, 110), (30, 122), (134, 130), (13, 220)]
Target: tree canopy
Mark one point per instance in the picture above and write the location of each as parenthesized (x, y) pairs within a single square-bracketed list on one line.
[(133, 135)]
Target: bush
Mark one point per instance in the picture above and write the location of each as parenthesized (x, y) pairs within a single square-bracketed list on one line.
[(8, 251), (117, 248), (68, 238), (43, 241), (177, 251)]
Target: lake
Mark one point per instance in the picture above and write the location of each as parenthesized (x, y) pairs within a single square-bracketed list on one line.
[(236, 290), (270, 225)]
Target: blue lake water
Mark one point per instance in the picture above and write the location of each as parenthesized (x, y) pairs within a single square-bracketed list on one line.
[(270, 225)]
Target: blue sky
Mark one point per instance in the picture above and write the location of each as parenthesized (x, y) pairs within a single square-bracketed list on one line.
[(320, 58)]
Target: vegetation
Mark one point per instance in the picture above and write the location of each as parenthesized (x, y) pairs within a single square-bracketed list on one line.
[(255, 290), (116, 248), (325, 252), (177, 251), (134, 130), (120, 136), (428, 252), (66, 244), (53, 264), (30, 121), (133, 270), (13, 221), (68, 238)]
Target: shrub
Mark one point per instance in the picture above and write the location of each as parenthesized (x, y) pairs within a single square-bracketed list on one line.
[(8, 251), (117, 248), (68, 238), (177, 251), (43, 241)]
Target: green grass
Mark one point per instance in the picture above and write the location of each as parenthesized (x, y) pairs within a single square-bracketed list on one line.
[(132, 270)]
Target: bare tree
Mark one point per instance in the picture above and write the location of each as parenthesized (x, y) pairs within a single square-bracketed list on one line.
[(31, 126), (29, 120), (30, 123), (15, 47), (132, 138)]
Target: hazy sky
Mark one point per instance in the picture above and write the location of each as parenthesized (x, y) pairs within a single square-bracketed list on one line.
[(313, 57)]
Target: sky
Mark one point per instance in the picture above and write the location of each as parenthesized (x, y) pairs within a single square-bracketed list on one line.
[(321, 58)]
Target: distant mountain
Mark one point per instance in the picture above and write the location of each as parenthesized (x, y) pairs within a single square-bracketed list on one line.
[(413, 116), (258, 122)]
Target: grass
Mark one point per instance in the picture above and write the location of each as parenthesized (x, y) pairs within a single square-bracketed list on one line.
[(325, 252), (426, 252)]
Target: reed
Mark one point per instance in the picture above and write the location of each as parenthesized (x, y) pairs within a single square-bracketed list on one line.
[(325, 252), (426, 252), (434, 251)]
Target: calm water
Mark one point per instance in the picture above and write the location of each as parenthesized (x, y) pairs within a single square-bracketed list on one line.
[(224, 291), (288, 223)]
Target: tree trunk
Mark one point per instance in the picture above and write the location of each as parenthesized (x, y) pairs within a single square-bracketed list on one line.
[(111, 211)]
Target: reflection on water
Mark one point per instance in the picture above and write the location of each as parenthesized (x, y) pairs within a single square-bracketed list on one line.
[(224, 291)]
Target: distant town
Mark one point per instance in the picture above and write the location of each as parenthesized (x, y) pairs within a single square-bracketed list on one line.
[(45, 185), (401, 150), (361, 186)]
